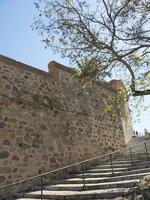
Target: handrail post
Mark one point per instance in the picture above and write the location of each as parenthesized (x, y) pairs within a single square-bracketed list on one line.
[(131, 155), (146, 150), (112, 170), (83, 176), (41, 187), (6, 192)]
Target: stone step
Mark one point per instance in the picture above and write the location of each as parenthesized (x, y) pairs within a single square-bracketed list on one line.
[(131, 167), (141, 154), (74, 195), (121, 162), (139, 157), (121, 165), (116, 173), (127, 153), (134, 153), (108, 165), (105, 179), (24, 198), (46, 199), (129, 161), (28, 199), (93, 186), (106, 170)]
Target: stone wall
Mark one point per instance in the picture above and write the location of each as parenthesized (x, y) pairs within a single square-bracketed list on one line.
[(47, 121)]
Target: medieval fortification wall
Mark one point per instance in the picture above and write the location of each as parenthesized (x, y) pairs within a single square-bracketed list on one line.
[(46, 120)]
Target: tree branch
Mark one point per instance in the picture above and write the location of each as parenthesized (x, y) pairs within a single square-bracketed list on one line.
[(141, 93)]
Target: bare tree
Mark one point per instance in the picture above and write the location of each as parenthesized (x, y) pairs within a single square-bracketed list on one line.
[(107, 35)]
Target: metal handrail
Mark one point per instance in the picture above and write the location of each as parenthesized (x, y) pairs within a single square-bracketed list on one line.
[(75, 164)]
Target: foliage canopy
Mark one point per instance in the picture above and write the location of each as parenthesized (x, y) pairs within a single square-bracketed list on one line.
[(103, 38)]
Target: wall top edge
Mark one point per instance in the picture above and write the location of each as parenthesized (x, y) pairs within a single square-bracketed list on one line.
[(54, 64), (61, 67), (18, 64), (113, 85)]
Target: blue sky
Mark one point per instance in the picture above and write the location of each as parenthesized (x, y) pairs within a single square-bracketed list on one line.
[(18, 41)]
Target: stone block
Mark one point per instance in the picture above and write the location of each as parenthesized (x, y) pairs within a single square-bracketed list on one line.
[(4, 154)]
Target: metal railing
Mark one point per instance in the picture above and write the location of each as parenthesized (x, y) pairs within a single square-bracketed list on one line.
[(108, 156)]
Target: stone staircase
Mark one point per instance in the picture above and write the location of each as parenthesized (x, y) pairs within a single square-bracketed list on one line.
[(101, 181)]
